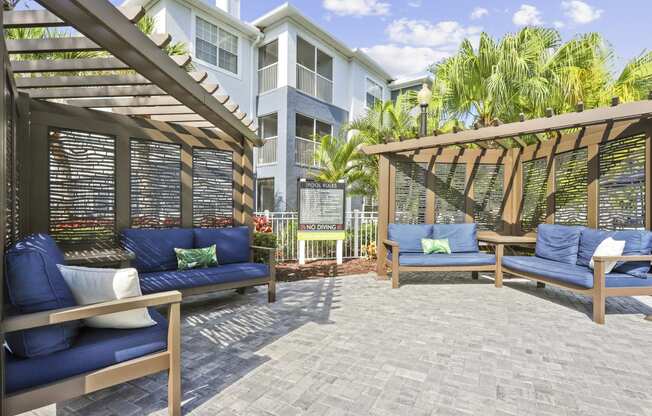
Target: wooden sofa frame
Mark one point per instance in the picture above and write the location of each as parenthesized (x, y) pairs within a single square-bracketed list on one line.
[(170, 359), (599, 292), (396, 267)]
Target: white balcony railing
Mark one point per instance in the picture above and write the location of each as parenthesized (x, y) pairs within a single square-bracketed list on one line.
[(267, 78), (267, 153), (314, 84), (305, 152)]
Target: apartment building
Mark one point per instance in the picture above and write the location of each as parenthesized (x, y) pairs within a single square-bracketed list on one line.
[(300, 80)]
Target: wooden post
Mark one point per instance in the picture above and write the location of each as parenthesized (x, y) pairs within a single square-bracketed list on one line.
[(469, 196), (513, 188), (383, 214), (599, 290), (271, 288), (648, 181), (186, 185), (593, 200), (247, 183), (430, 192), (122, 183), (550, 189), (500, 249), (174, 348)]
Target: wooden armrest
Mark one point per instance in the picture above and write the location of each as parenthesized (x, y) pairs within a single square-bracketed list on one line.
[(623, 258), (507, 239), (391, 243), (57, 316)]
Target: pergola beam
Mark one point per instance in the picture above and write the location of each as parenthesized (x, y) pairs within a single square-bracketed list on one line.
[(177, 118), (81, 81), (80, 65), (81, 92), (151, 111), (71, 44), (123, 102), (101, 22), (44, 18)]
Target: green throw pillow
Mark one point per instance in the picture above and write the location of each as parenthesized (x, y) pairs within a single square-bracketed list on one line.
[(431, 246), (194, 258)]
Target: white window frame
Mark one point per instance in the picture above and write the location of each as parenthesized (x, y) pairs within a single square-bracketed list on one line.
[(265, 139), (193, 47), (314, 133), (366, 91), (314, 72)]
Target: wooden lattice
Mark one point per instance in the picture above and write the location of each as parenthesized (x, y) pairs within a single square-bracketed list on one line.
[(533, 203), (488, 196), (212, 188), (450, 184), (622, 184), (571, 187), (82, 187), (155, 184), (11, 170), (410, 191)]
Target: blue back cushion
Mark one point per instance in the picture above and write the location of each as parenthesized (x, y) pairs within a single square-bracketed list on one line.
[(462, 238), (34, 284), (636, 243), (590, 239), (558, 242), (154, 248), (408, 236), (232, 243)]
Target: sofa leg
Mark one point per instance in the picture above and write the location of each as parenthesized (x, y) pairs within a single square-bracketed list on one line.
[(541, 285), (395, 278), (174, 372), (475, 275), (271, 292), (498, 275), (599, 308)]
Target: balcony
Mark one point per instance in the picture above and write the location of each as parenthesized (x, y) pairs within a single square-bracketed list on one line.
[(267, 153), (305, 152), (314, 84), (268, 78)]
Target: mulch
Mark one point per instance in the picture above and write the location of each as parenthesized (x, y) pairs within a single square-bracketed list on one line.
[(292, 272)]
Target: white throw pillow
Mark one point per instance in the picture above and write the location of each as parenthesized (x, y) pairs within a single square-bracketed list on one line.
[(93, 285), (608, 247)]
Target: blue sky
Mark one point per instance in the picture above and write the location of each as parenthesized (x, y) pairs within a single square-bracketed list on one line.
[(406, 35)]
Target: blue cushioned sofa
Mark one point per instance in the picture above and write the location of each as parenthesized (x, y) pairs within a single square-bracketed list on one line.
[(156, 260), (562, 256), (405, 252), (51, 357)]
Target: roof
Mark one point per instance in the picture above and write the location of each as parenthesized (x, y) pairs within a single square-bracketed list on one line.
[(623, 112), (212, 11), (410, 81), (288, 11), (159, 87)]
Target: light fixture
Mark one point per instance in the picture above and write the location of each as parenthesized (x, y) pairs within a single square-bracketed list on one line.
[(424, 96)]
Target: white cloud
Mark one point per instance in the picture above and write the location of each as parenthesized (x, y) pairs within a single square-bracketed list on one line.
[(479, 13), (558, 24), (402, 61), (357, 7), (414, 3), (527, 15), (447, 34), (580, 12)]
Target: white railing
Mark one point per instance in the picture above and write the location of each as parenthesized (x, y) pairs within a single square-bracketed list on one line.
[(305, 152), (360, 233), (267, 78), (314, 84), (267, 152)]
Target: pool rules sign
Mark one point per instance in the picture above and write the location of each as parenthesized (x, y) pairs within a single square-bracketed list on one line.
[(321, 214)]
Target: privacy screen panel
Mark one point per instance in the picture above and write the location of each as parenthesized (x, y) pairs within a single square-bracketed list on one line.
[(622, 184), (212, 188), (155, 184), (488, 196), (410, 192), (82, 187), (571, 187), (11, 170), (533, 203), (450, 179)]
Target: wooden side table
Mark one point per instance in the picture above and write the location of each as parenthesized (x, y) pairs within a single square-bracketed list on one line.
[(99, 257)]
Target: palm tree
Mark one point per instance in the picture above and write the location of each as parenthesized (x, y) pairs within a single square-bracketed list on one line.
[(340, 159)]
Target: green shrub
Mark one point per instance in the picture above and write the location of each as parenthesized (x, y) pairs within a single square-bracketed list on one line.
[(263, 240)]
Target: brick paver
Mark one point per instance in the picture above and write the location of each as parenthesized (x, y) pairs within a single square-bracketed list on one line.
[(439, 345)]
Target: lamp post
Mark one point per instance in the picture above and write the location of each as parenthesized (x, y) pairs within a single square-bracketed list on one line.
[(424, 96)]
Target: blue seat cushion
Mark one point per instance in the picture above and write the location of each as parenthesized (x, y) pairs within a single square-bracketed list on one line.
[(92, 350), (462, 238), (562, 272), (408, 236), (34, 283), (636, 243), (154, 248), (232, 243), (590, 239), (626, 280), (186, 279), (447, 260), (558, 243)]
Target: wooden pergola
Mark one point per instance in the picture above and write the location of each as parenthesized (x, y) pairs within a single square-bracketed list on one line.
[(591, 167)]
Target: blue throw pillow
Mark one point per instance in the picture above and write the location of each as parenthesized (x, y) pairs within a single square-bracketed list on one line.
[(590, 239), (34, 284), (408, 236), (558, 242), (232, 243), (154, 248), (463, 238), (636, 243)]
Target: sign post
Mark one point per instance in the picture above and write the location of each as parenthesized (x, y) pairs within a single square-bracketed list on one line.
[(321, 215)]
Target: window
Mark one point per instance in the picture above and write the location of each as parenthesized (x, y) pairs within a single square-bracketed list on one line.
[(269, 133), (314, 71), (216, 46), (265, 199), (268, 67), (374, 93), (308, 135)]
